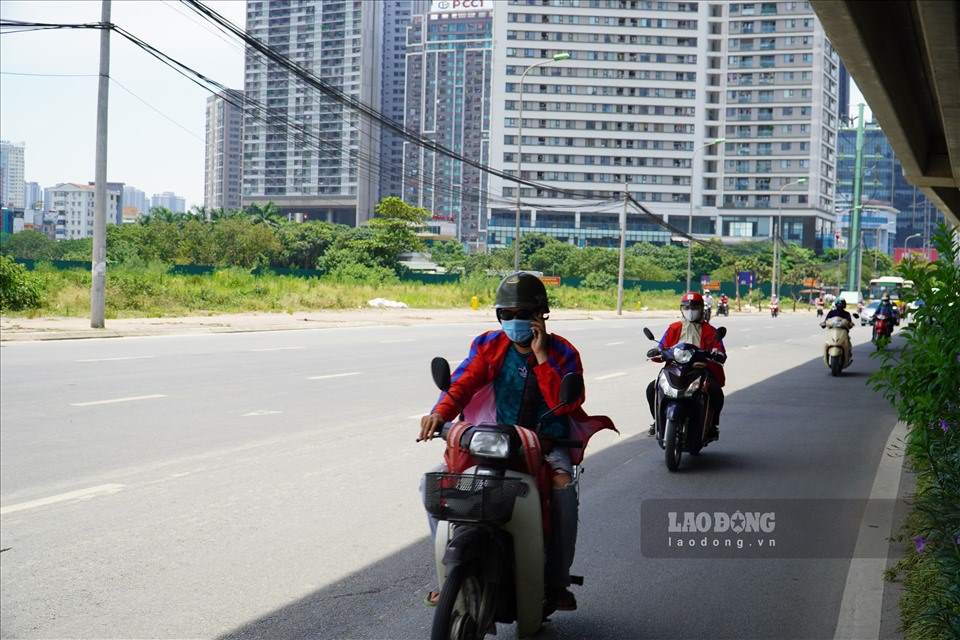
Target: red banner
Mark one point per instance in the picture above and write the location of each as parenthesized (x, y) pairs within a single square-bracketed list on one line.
[(899, 253)]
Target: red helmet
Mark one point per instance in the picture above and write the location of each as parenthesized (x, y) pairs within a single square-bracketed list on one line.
[(691, 299)]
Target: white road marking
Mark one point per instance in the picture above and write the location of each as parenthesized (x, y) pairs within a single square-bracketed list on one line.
[(80, 494), (613, 344), (277, 349), (398, 341), (611, 375), (862, 600), (334, 375), (749, 346), (261, 412), (116, 400), (115, 359)]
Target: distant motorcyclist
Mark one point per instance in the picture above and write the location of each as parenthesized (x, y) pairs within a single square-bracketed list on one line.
[(839, 310), (693, 329), (886, 307), (707, 305), (724, 305), (774, 305), (819, 304)]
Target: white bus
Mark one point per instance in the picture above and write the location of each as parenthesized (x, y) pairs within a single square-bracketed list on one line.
[(894, 285)]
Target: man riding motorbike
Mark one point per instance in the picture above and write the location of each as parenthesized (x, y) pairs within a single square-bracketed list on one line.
[(692, 329), (886, 307), (840, 310), (707, 305), (725, 303), (820, 306), (523, 365)]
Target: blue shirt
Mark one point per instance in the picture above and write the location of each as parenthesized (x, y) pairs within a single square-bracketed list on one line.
[(508, 388)]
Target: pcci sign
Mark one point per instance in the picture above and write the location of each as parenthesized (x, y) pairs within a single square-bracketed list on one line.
[(459, 5)]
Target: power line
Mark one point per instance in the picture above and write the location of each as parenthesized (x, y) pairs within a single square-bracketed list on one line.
[(161, 113), (49, 75)]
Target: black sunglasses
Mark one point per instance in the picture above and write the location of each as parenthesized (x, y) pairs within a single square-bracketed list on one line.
[(518, 314)]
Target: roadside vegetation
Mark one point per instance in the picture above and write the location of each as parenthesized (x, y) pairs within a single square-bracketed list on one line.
[(922, 380), (348, 266)]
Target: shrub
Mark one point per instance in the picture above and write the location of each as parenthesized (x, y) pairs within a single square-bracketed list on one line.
[(923, 383), (19, 289)]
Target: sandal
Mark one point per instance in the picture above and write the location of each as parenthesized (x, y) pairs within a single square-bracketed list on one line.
[(432, 598)]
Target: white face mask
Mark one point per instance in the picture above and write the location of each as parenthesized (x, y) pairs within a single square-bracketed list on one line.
[(692, 315)]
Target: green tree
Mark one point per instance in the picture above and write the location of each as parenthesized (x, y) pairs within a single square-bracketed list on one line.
[(28, 244), (552, 258), (449, 255), (303, 244), (19, 289), (266, 213)]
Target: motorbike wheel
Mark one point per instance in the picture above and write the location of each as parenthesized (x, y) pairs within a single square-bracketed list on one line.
[(836, 366), (671, 445), (458, 607)]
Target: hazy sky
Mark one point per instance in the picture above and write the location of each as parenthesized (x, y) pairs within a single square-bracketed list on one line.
[(56, 116)]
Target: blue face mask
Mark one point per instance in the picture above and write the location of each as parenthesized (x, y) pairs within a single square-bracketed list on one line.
[(518, 331)]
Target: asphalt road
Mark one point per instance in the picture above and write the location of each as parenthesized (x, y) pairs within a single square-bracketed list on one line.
[(265, 484)]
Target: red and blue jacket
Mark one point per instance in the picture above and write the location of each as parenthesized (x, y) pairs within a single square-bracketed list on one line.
[(471, 388), (709, 341)]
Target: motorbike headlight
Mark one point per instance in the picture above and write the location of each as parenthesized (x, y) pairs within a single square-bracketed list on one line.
[(668, 390), (488, 444), (683, 356), (691, 388)]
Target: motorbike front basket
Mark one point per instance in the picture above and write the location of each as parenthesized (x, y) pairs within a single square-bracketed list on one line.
[(458, 497)]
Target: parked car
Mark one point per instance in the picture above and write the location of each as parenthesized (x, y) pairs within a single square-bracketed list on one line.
[(868, 310)]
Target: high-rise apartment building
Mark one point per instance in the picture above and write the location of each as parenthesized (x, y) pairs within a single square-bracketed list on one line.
[(648, 85), (449, 69), (883, 182), (332, 172), (396, 18), (223, 164), (168, 200), (11, 174), (136, 199), (32, 196), (843, 94), (73, 205)]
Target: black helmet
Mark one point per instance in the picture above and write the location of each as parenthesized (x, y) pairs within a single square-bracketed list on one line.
[(840, 304), (522, 290)]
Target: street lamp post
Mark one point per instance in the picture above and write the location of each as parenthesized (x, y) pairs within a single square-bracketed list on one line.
[(516, 238), (774, 285), (693, 168), (909, 238)]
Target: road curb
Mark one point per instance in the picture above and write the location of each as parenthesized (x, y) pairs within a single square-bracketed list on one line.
[(862, 603)]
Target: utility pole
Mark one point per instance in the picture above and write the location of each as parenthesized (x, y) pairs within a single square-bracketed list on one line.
[(99, 261), (623, 250), (853, 255)]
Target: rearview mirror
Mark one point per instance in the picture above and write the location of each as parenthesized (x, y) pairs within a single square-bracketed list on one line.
[(648, 333), (856, 315), (722, 332), (571, 388), (440, 370)]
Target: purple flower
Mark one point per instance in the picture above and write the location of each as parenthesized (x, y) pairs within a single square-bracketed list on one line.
[(944, 425), (919, 542)]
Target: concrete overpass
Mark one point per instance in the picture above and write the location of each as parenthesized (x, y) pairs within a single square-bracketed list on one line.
[(905, 57)]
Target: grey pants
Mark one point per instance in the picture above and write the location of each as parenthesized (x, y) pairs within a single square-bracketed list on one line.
[(564, 513)]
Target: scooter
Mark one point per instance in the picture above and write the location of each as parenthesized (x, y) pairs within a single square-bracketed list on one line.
[(774, 309), (882, 329), (723, 309), (682, 408), (836, 355), (489, 546)]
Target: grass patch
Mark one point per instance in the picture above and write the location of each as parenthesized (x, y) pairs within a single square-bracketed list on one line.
[(150, 291)]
